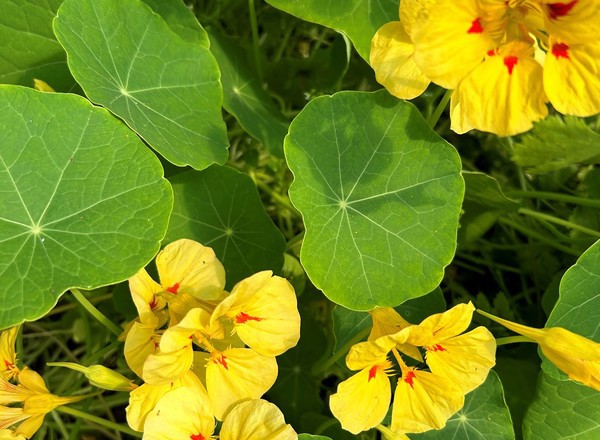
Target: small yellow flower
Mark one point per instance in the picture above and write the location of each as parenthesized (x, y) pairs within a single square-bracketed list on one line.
[(575, 355), (100, 376)]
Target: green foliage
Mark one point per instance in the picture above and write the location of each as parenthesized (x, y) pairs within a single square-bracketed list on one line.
[(166, 89), (59, 227), (380, 195)]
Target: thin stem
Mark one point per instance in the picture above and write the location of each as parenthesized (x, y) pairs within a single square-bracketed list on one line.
[(555, 196), (435, 116), (319, 368), (114, 328), (512, 340), (534, 234), (388, 434), (98, 420), (255, 44), (558, 221)]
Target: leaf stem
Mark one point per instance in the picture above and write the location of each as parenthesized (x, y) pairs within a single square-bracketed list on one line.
[(98, 420), (540, 237), (512, 340), (320, 368), (114, 328), (555, 196), (255, 44), (435, 116), (558, 221)]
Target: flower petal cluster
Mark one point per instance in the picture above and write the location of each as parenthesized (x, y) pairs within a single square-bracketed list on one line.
[(221, 343), (458, 362), (24, 397), (573, 354), (504, 59)]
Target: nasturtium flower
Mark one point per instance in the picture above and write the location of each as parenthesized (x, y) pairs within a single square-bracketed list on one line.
[(8, 356), (9, 434), (264, 313), (256, 420), (386, 321), (575, 355)]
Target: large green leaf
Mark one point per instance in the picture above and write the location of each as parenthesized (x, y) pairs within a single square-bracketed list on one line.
[(28, 48), (126, 58), (485, 416), (221, 208), (380, 195), (83, 204), (563, 410), (578, 305), (180, 19), (244, 96), (358, 19)]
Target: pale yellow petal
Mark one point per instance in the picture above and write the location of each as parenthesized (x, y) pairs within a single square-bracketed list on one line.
[(424, 401), (393, 62), (362, 401), (182, 303), (30, 426), (256, 420), (577, 20), (8, 356), (187, 266), (144, 292), (409, 12), (464, 360), (180, 335), (441, 326), (181, 414), (236, 375), (161, 368), (458, 120), (32, 380), (386, 321), (141, 342), (572, 77), (368, 353), (7, 434)]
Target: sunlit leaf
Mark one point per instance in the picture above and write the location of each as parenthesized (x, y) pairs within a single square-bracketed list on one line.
[(126, 58), (221, 208), (380, 195), (83, 204), (180, 19)]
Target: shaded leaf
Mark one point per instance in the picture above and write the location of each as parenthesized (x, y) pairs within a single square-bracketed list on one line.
[(83, 204), (380, 195), (126, 58), (181, 20), (220, 207)]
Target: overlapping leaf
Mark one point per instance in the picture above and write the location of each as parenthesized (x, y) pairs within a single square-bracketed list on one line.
[(127, 59), (380, 195), (221, 208), (83, 204)]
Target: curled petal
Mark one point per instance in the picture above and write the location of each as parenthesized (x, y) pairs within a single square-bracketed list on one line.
[(8, 356), (144, 292), (256, 420), (161, 368), (141, 342)]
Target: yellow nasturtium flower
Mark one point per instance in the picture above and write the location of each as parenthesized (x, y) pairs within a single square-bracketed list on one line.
[(8, 356), (573, 354)]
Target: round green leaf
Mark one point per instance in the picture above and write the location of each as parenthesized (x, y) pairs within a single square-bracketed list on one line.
[(358, 19), (485, 416), (126, 58), (221, 208), (562, 410), (84, 203), (380, 195), (181, 20)]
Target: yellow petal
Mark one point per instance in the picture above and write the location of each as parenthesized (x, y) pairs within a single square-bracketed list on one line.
[(368, 353), (451, 39), (161, 368), (577, 20), (442, 326), (44, 403), (31, 380), (181, 414), (458, 120), (256, 420), (409, 11), (141, 342), (362, 401), (144, 292), (187, 266), (464, 360), (571, 77), (176, 337), (7, 434), (393, 61), (387, 321), (8, 357), (236, 375), (424, 401), (10, 416), (143, 399), (504, 95), (30, 426), (182, 303), (264, 311)]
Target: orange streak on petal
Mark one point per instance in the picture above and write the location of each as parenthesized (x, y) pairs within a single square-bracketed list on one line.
[(243, 317), (372, 372), (409, 378), (173, 289), (556, 10)]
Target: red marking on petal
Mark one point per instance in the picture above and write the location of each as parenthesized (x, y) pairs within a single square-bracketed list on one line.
[(197, 437), (491, 52), (561, 50), (220, 359), (153, 303), (510, 62), (243, 317), (8, 365), (173, 289), (476, 27), (372, 372), (436, 347), (409, 378), (556, 10)]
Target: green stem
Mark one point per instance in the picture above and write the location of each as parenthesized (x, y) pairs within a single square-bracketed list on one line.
[(98, 420), (555, 196), (559, 221), (435, 116), (540, 237), (277, 198), (320, 368), (96, 313), (255, 45), (512, 340)]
